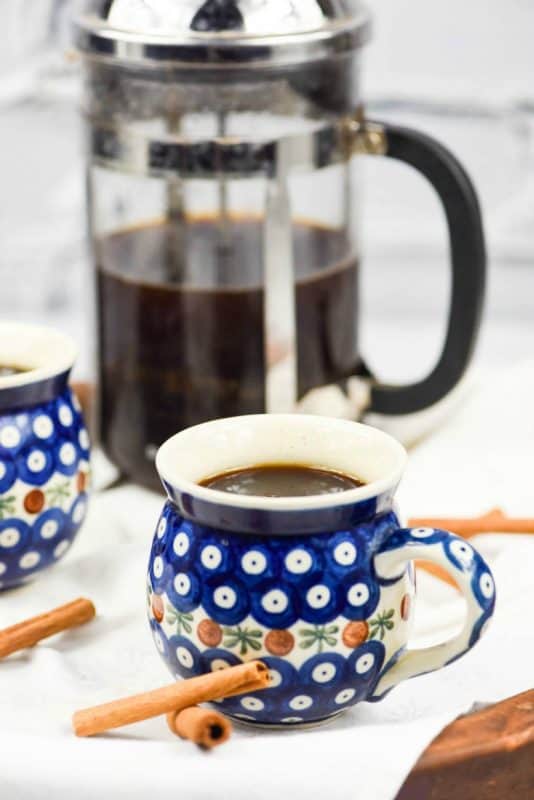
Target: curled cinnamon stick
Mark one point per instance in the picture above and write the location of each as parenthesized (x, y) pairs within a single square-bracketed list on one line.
[(28, 633), (234, 680), (202, 726)]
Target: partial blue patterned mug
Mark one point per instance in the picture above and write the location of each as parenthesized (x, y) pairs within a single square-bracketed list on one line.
[(320, 588), (44, 452)]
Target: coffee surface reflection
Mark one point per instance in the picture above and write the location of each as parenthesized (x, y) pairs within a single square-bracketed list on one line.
[(282, 480)]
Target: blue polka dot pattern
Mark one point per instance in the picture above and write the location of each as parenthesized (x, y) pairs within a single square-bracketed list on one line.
[(301, 564), (78, 510), (256, 564), (324, 671), (161, 641), (14, 535), (360, 594), (346, 551), (213, 558), (415, 535), (226, 600), (478, 627), (44, 477), (8, 475), (324, 685), (282, 674), (483, 588), (365, 663), (256, 707), (184, 591), (244, 587), (216, 658), (67, 456), (184, 657), (274, 605), (322, 601), (313, 583), (35, 465), (460, 553), (48, 527), (314, 608)]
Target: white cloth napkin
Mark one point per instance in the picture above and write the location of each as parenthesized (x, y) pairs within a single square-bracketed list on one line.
[(481, 458)]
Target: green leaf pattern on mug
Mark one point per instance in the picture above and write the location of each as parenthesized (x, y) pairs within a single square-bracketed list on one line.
[(58, 493), (7, 506), (181, 620), (318, 636), (244, 637), (380, 624)]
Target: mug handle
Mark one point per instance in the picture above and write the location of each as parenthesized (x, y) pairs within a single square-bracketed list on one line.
[(468, 260), (470, 572)]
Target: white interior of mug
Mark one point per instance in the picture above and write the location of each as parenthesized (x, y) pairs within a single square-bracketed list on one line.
[(238, 442), (41, 352)]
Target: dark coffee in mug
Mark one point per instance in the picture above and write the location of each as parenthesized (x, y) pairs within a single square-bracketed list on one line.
[(282, 480)]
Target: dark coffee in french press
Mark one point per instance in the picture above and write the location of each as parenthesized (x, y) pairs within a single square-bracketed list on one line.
[(223, 203), (179, 353)]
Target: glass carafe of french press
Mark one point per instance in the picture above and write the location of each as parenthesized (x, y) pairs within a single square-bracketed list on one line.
[(223, 213)]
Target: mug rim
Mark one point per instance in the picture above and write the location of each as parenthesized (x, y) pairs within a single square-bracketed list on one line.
[(167, 459), (50, 353)]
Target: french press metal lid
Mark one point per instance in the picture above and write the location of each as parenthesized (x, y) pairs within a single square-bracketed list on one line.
[(222, 33)]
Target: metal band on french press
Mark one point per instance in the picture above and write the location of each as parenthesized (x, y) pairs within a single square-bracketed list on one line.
[(125, 149)]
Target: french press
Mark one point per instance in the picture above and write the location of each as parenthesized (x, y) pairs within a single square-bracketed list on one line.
[(223, 210)]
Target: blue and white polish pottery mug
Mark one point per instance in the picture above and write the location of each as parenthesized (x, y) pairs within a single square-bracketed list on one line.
[(44, 452), (321, 588)]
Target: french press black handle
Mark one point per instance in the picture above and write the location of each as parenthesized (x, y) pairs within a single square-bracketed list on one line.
[(468, 262)]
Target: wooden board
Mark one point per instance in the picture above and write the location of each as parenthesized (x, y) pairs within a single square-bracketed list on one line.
[(487, 755)]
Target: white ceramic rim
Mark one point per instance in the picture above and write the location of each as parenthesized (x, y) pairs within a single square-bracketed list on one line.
[(379, 460), (44, 352)]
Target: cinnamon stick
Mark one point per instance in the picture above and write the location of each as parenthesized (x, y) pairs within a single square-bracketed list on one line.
[(495, 521), (203, 726), (29, 632), (240, 679)]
